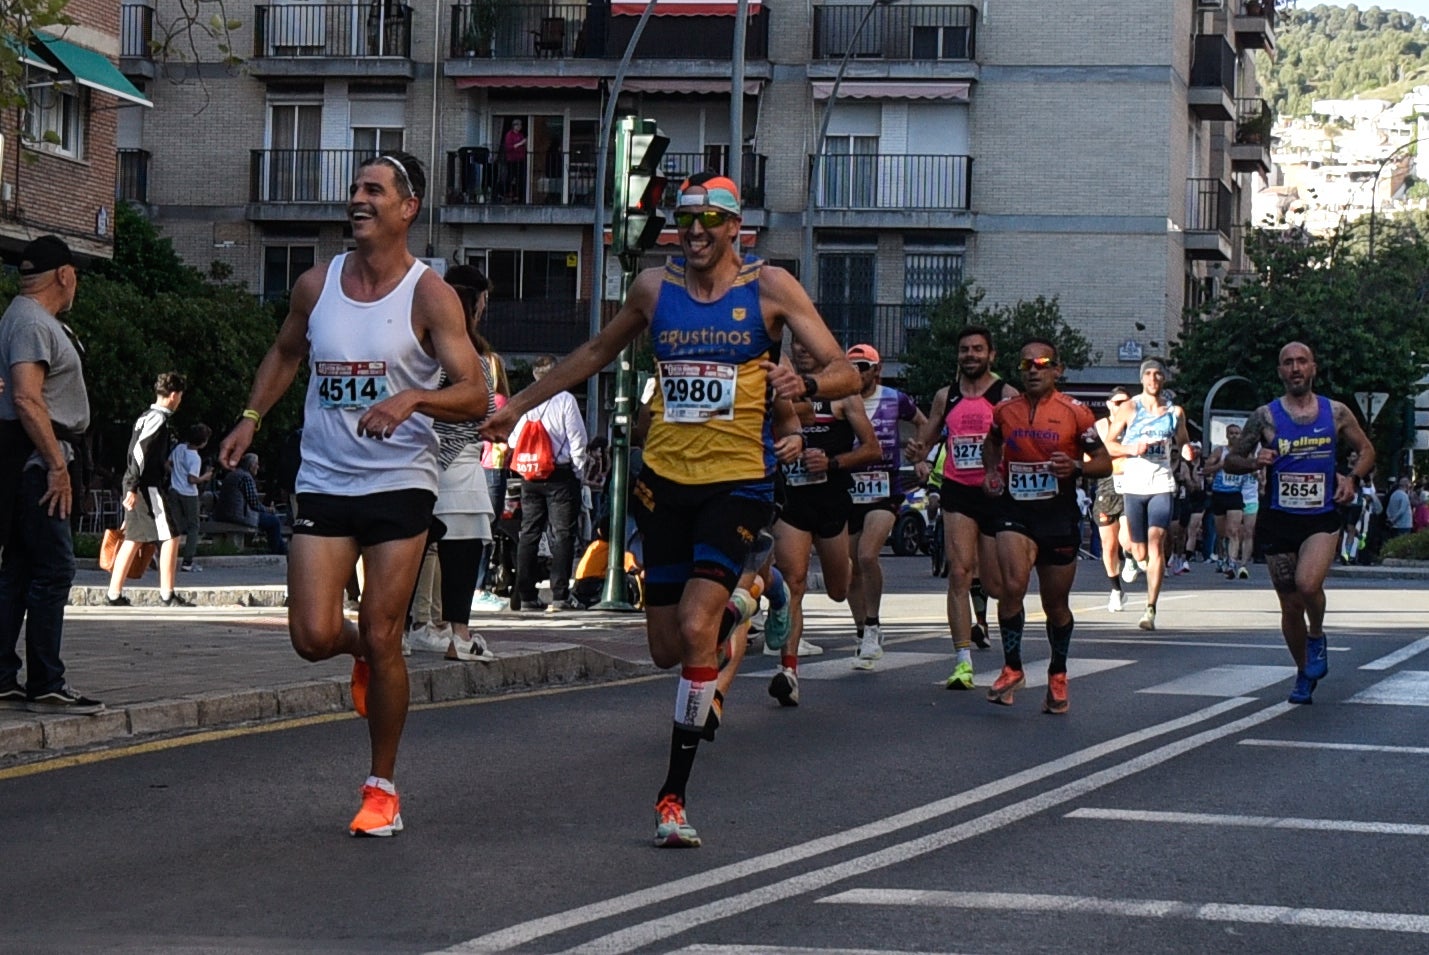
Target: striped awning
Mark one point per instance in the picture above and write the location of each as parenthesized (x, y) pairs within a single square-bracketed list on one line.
[(867, 89)]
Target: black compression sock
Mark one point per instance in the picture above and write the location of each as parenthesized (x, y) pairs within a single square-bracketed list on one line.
[(683, 743)]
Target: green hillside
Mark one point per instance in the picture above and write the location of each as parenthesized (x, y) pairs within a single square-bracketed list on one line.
[(1326, 52)]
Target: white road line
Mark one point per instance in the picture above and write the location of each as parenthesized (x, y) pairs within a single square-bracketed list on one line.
[(1405, 688), (1174, 642), (787, 950), (1232, 680), (841, 666), (1277, 915), (1352, 747), (1251, 822), (656, 930), (663, 894), (1391, 660)]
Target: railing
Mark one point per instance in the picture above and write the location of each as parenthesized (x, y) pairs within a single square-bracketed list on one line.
[(131, 180), (1213, 63), (1210, 206), (302, 175), (136, 30), (1259, 8), (568, 178), (892, 329), (1253, 121), (537, 326), (513, 30), (915, 32), (869, 182), (316, 30)]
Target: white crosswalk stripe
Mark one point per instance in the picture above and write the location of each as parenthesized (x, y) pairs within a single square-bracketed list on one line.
[(1224, 681), (1407, 688)]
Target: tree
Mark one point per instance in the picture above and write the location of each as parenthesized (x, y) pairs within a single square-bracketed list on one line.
[(933, 361), (1367, 320), (20, 19)]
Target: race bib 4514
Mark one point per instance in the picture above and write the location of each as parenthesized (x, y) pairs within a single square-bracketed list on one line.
[(350, 385)]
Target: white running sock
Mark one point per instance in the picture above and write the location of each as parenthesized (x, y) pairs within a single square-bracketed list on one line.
[(383, 784)]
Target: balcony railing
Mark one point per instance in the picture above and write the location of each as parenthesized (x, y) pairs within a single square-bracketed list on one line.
[(302, 175), (538, 326), (892, 329), (1258, 8), (881, 182), (131, 180), (1253, 121), (1213, 64), (523, 30), (568, 178), (136, 30), (331, 30), (1210, 207), (915, 32)]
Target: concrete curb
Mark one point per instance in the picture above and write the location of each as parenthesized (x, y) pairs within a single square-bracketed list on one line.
[(28, 737), (259, 595)]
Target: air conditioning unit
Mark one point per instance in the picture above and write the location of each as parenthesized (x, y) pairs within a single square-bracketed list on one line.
[(438, 266)]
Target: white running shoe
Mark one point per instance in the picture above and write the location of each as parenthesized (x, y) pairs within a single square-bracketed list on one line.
[(1116, 603), (806, 649), (473, 649), (1130, 569), (428, 640), (870, 648)]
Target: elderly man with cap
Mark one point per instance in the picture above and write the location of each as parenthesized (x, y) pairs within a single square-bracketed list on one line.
[(44, 412), (1148, 432), (716, 318)]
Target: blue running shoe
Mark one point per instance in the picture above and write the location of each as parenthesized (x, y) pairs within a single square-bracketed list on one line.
[(1304, 687), (777, 622), (1317, 658)]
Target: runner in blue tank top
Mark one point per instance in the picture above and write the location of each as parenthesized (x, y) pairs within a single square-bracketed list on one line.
[(1299, 437)]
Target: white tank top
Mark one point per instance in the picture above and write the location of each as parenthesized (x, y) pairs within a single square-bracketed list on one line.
[(358, 354)]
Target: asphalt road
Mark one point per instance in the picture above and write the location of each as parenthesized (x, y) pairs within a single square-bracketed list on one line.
[(1182, 806)]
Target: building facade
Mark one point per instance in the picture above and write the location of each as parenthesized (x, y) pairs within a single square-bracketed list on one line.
[(1100, 151)]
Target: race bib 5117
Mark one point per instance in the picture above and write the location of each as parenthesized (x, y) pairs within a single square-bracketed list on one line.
[(1031, 481)]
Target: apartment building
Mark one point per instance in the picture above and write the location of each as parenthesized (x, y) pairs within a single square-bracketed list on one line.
[(57, 155), (1096, 150)]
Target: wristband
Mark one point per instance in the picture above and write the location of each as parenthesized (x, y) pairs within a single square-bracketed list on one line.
[(254, 417), (833, 464), (811, 386)]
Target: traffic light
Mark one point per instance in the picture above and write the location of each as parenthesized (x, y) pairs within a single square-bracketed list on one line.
[(639, 185)]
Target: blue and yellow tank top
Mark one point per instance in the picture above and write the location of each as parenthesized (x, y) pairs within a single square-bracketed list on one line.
[(710, 417), (1302, 479)]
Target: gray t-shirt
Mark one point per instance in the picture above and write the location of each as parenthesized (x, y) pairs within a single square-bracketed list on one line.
[(28, 333)]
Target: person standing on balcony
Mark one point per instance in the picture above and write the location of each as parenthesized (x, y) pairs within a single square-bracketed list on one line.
[(706, 487), (377, 328), (513, 162)]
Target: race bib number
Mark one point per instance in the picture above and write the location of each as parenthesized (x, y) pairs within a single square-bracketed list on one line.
[(697, 391), (967, 452), (1158, 452), (1031, 481), (870, 487), (1116, 484), (797, 475), (1301, 492), (350, 385)]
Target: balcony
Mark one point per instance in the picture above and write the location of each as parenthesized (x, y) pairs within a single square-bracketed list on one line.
[(913, 41), (503, 39), (308, 185), (892, 329), (1211, 96), (1210, 209), (1251, 150), (332, 39), (887, 191), (136, 37), (131, 180), (514, 326), (1254, 25), (479, 189)]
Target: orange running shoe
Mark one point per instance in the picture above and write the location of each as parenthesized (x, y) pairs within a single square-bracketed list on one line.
[(1056, 701), (380, 814), (673, 831), (361, 676), (1008, 682)]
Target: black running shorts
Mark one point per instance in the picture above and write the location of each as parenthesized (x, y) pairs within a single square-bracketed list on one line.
[(369, 519)]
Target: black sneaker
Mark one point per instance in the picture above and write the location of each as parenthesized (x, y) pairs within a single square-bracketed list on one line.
[(533, 605), (120, 601), (174, 600), (13, 698), (979, 635), (64, 700)]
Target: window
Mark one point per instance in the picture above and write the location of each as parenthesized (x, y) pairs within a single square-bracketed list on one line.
[(282, 264), (929, 277), (849, 179), (846, 294), (530, 275), (295, 163), (940, 43), (372, 140), (55, 120)]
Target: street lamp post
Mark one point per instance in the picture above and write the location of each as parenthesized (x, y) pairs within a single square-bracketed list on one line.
[(1374, 188), (814, 166)]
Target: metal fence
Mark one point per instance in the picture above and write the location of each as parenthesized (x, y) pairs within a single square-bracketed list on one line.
[(892, 329), (136, 30), (539, 326), (913, 32), (1209, 206), (332, 30), (510, 30), (301, 175), (875, 182)]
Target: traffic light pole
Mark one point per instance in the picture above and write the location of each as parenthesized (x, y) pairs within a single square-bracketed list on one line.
[(622, 420)]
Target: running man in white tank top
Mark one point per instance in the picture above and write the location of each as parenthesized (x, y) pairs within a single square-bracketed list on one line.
[(377, 329)]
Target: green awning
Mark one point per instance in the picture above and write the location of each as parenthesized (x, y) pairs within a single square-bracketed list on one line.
[(88, 68), (28, 57)]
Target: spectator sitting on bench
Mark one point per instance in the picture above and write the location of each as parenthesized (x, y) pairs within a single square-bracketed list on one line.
[(239, 503)]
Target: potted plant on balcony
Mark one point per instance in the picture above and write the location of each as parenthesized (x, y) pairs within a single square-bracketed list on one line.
[(481, 20), (1255, 130)]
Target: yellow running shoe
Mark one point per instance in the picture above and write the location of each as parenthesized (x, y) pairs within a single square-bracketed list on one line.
[(962, 678)]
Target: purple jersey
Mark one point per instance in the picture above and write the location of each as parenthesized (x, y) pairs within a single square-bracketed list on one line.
[(885, 408)]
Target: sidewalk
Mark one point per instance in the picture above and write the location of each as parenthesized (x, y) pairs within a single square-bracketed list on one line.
[(166, 672)]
